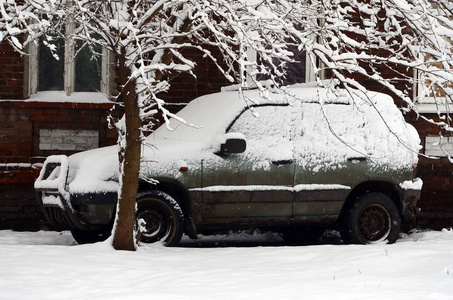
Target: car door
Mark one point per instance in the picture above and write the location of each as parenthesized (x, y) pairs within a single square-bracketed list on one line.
[(327, 165), (255, 186)]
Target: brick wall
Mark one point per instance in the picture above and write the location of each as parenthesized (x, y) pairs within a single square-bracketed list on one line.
[(18, 206), (12, 73), (436, 202), (209, 79), (22, 125)]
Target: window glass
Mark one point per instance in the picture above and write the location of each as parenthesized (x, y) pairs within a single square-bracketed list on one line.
[(261, 121), (438, 91), (295, 71), (268, 131), (438, 146), (51, 70), (87, 71)]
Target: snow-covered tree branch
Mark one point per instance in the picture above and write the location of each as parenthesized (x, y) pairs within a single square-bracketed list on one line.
[(399, 47)]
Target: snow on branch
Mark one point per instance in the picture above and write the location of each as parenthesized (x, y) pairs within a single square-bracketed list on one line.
[(400, 47)]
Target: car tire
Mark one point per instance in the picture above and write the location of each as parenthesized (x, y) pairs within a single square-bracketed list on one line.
[(163, 216), (373, 218), (83, 236), (302, 235)]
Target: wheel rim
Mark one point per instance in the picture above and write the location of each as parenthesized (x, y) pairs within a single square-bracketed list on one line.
[(158, 224), (374, 223)]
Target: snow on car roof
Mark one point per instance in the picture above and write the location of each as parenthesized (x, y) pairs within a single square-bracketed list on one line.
[(209, 114)]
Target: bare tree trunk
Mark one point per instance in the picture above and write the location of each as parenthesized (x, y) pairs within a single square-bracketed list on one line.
[(130, 157)]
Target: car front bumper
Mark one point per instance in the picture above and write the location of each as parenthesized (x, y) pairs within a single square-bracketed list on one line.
[(63, 209), (410, 192)]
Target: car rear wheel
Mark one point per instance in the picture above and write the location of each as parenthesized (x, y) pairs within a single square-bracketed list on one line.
[(302, 235), (371, 219), (163, 217)]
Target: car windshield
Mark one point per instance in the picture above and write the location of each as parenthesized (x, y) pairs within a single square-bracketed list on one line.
[(205, 117)]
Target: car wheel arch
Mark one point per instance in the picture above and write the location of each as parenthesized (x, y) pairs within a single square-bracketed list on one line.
[(385, 187), (177, 191)]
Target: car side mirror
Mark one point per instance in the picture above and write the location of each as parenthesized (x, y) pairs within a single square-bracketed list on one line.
[(234, 143)]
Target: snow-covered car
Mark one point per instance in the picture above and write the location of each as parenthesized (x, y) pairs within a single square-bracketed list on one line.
[(306, 160)]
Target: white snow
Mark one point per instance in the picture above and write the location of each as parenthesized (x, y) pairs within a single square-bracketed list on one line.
[(52, 200), (49, 265), (76, 97), (56, 180), (296, 188), (16, 165), (416, 184)]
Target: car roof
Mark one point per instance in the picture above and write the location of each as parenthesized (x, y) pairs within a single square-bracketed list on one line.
[(214, 112)]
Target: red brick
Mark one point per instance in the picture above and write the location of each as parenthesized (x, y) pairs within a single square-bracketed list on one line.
[(25, 174), (42, 118), (5, 75), (436, 181), (22, 151), (36, 111), (12, 69), (15, 82), (9, 132), (29, 180), (5, 153), (430, 215), (14, 119), (448, 187), (49, 111), (68, 119), (12, 147), (443, 167), (9, 180), (428, 197), (16, 139)]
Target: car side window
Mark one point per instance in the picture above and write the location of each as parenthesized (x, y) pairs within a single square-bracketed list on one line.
[(267, 130)]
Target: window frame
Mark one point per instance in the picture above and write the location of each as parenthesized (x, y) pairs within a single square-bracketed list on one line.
[(428, 104), (310, 75), (31, 74)]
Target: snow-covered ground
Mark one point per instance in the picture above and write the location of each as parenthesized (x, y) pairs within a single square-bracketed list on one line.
[(50, 265)]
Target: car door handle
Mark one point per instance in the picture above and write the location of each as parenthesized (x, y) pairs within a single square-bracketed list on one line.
[(282, 162)]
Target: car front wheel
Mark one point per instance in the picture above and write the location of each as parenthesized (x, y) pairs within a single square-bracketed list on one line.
[(163, 217), (371, 219)]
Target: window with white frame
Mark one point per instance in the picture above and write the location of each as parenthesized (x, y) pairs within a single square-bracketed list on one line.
[(437, 98), (76, 70), (52, 68), (439, 146), (299, 71)]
